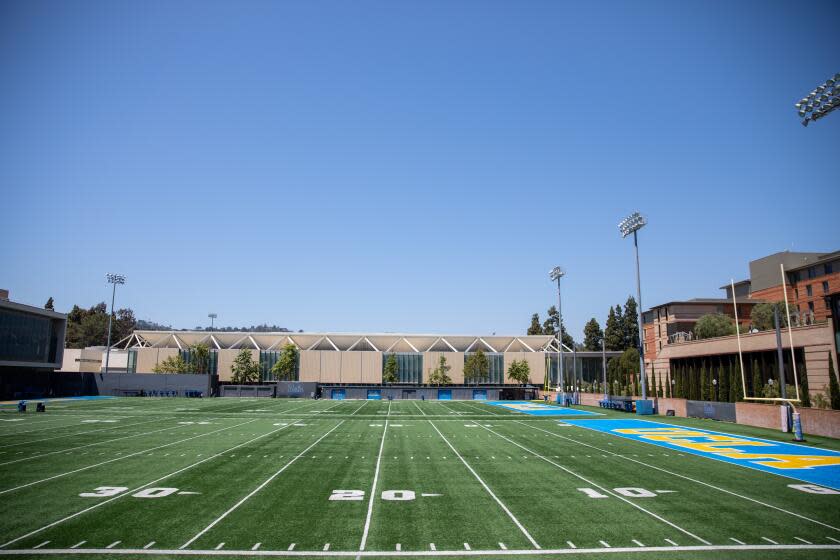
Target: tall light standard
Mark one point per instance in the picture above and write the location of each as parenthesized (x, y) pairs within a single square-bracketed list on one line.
[(113, 279), (212, 319), (632, 224), (820, 102), (556, 274)]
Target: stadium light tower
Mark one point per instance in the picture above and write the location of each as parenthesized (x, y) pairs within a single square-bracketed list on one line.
[(212, 319), (556, 274), (632, 224), (820, 102), (113, 279)]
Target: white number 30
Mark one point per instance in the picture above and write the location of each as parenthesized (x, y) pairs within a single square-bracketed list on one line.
[(104, 492)]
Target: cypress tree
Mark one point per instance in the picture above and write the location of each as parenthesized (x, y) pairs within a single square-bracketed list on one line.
[(739, 386), (733, 382), (756, 380), (668, 386), (803, 388), (833, 387), (723, 384), (704, 383)]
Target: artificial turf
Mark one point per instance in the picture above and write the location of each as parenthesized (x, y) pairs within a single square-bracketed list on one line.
[(175, 477)]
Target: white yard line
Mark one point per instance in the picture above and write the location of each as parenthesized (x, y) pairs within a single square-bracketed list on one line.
[(265, 483), (373, 489), (684, 477), (358, 409), (420, 409), (605, 490), (31, 457), (83, 433), (483, 411), (487, 488), (138, 488), (418, 553), (120, 458)]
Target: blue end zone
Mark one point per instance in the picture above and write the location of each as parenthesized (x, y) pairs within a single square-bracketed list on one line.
[(800, 462), (540, 409)]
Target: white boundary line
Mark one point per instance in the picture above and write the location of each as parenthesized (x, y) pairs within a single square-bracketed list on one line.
[(258, 488), (415, 553), (128, 492), (610, 492), (684, 477), (489, 491), (373, 489), (84, 433), (121, 457), (420, 409)]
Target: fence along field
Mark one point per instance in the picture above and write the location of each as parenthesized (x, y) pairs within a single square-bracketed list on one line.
[(266, 477)]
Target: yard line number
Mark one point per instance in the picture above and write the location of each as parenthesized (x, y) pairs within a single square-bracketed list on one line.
[(389, 495), (108, 491)]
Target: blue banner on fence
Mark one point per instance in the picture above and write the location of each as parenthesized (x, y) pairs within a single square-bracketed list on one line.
[(808, 464)]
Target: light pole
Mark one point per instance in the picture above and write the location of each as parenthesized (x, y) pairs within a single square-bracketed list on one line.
[(820, 102), (557, 273), (212, 318), (632, 224), (113, 279)]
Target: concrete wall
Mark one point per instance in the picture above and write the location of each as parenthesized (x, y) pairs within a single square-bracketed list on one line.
[(536, 363), (148, 358), (820, 422), (120, 384), (455, 360)]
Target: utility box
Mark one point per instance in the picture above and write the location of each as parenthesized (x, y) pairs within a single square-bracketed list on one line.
[(644, 407)]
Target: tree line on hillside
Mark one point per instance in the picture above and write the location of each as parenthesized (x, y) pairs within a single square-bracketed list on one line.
[(89, 327)]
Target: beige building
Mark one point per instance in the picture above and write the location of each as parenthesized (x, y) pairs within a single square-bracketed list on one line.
[(359, 358)]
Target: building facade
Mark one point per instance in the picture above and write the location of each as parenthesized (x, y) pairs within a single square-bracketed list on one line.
[(348, 359)]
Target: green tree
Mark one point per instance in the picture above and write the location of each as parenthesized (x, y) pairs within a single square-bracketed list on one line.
[(285, 368), (389, 372), (668, 386), (550, 326), (723, 384), (739, 383), (714, 324), (762, 318), (535, 327), (592, 335), (172, 364), (704, 383), (244, 368), (803, 388), (89, 327), (199, 358), (50, 304), (833, 387), (440, 375), (630, 324), (476, 366), (613, 337), (519, 371), (756, 380)]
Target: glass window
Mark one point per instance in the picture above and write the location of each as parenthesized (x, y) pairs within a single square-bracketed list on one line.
[(829, 268), (25, 337), (809, 290), (409, 366), (812, 272), (811, 306), (825, 286)]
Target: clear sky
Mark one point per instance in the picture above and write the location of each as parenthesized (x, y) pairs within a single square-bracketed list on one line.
[(406, 166)]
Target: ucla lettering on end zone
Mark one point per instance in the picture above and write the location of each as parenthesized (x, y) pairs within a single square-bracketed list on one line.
[(809, 464)]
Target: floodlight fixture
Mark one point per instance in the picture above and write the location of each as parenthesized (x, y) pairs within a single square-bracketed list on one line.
[(631, 224), (821, 101), (212, 319), (556, 274), (112, 279)]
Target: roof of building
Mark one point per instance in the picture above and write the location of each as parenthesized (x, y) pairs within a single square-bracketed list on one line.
[(378, 342), (22, 307)]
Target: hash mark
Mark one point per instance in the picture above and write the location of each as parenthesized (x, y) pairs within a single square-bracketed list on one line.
[(150, 545), (637, 542), (432, 546), (671, 542), (605, 544), (399, 547), (256, 546), (326, 547), (835, 540), (803, 540), (42, 544), (291, 546), (771, 541), (113, 544), (736, 540), (571, 544), (467, 546), (502, 546), (220, 545), (78, 544)]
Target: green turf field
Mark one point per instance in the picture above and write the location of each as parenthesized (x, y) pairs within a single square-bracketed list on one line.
[(262, 477)]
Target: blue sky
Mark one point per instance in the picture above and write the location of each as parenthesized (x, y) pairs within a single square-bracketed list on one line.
[(406, 166)]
